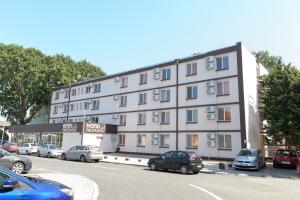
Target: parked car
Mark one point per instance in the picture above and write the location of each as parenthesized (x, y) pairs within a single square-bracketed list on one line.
[(2, 143), (49, 150), (16, 187), (249, 159), (285, 158), (177, 160), (15, 163), (83, 153), (11, 147), (27, 148)]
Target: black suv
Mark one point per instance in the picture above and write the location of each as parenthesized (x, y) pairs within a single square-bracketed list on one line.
[(177, 160)]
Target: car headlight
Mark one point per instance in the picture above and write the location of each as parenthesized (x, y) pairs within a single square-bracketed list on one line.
[(67, 191)]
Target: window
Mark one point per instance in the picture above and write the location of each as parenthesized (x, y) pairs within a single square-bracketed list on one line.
[(66, 108), (122, 139), (142, 98), (224, 114), (222, 63), (67, 93), (191, 116), (124, 82), (87, 89), (163, 140), (223, 88), (86, 105), (73, 92), (142, 119), (56, 95), (55, 109), (141, 140), (166, 74), (192, 92), (123, 101), (191, 69), (192, 141), (96, 105), (95, 119), (224, 142), (72, 107), (122, 120), (143, 78), (165, 95), (165, 117), (97, 87)]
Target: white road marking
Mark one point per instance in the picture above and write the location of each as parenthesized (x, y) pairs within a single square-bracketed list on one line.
[(206, 191)]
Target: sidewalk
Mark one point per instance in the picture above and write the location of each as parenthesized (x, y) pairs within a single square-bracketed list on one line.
[(210, 166)]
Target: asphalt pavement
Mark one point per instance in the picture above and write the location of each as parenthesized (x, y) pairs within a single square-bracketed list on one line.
[(125, 182)]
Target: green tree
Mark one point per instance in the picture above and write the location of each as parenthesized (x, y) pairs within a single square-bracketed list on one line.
[(27, 77), (280, 99)]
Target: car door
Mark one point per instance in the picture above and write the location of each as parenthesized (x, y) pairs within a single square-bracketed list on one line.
[(179, 158), (70, 153), (78, 152), (5, 159), (165, 163), (12, 194), (44, 149)]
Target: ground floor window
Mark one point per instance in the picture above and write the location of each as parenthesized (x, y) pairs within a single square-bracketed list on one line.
[(163, 140), (224, 142), (122, 139), (192, 141), (141, 140)]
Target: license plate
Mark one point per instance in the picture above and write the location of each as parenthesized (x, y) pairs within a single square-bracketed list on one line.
[(285, 162)]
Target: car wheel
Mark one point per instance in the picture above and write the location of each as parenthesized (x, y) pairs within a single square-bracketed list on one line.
[(48, 155), (38, 154), (63, 156), (153, 166), (184, 169), (97, 160), (196, 171), (82, 158), (17, 168)]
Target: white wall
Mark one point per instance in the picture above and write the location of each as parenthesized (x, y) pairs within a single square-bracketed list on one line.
[(70, 140)]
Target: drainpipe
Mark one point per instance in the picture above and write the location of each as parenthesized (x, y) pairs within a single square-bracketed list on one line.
[(69, 102), (177, 62)]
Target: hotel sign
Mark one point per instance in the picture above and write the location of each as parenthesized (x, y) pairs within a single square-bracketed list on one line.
[(70, 128), (95, 128)]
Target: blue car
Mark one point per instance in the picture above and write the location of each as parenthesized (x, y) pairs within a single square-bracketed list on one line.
[(16, 187)]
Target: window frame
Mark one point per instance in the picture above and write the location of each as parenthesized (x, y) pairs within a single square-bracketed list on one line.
[(165, 117), (167, 93), (194, 114), (224, 85), (123, 101), (122, 139), (166, 74), (193, 92), (142, 119), (191, 69), (124, 82), (143, 141), (142, 98), (224, 147), (143, 78), (192, 146), (224, 116)]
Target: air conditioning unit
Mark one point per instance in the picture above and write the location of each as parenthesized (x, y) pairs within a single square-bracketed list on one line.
[(155, 113), (154, 135), (156, 76), (210, 83), (155, 91), (154, 142), (117, 79), (156, 97), (211, 143), (210, 109), (210, 90), (209, 59), (210, 116), (116, 97), (156, 71), (210, 65), (211, 136), (115, 116), (155, 119)]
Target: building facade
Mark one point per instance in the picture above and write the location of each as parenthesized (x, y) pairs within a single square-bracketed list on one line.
[(206, 103)]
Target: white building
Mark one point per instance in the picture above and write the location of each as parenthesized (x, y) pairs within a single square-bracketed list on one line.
[(206, 103)]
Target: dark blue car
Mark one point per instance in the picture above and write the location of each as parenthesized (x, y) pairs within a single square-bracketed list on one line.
[(16, 187)]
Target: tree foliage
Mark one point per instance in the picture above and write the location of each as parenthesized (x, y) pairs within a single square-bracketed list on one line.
[(280, 99), (27, 77)]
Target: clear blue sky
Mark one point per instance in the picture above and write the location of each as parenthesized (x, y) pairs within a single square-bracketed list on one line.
[(121, 35)]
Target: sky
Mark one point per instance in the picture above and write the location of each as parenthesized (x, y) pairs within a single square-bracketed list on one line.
[(120, 35)]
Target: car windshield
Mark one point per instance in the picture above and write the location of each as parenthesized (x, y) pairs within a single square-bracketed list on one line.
[(52, 146), (247, 152), (286, 152), (94, 148)]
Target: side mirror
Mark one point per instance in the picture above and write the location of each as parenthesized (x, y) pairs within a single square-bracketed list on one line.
[(9, 183)]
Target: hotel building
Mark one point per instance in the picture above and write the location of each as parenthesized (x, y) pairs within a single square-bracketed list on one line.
[(206, 103)]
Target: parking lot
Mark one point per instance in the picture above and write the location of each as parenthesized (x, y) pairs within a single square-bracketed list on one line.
[(118, 181)]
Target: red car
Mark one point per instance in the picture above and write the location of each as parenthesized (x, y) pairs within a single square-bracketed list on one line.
[(285, 158), (11, 147)]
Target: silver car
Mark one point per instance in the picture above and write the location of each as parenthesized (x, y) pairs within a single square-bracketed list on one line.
[(15, 163), (83, 153), (249, 159)]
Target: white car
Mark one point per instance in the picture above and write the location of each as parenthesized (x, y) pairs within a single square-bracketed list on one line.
[(49, 150), (27, 148)]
